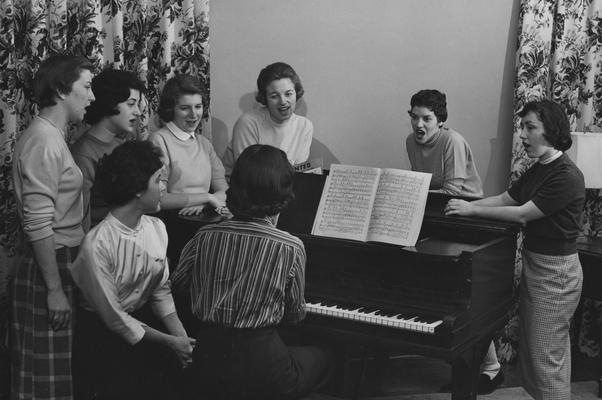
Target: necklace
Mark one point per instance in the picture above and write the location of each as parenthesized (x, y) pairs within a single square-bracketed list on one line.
[(51, 123)]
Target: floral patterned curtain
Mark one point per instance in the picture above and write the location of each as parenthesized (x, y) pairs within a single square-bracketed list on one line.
[(154, 38), (559, 57)]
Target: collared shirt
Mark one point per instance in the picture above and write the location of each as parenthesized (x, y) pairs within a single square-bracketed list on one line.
[(245, 274), (119, 269), (191, 163), (179, 133)]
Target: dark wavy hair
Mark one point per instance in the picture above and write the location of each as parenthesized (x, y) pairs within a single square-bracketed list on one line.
[(261, 183), (125, 172), (56, 76), (111, 87), (556, 126), (174, 88), (274, 72), (432, 99)]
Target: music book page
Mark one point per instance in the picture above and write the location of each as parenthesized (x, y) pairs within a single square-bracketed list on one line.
[(346, 202), (398, 207), (370, 204)]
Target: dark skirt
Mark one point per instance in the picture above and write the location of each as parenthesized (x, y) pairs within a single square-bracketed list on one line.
[(40, 356), (256, 364), (105, 366)]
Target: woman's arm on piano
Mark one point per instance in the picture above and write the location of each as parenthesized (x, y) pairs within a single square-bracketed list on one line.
[(502, 207)]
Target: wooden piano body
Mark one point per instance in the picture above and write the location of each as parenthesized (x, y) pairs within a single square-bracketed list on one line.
[(460, 272)]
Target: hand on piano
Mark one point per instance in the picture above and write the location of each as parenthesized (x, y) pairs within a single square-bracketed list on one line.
[(193, 210), (458, 207)]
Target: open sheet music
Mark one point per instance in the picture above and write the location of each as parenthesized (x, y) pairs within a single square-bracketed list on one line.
[(372, 204)]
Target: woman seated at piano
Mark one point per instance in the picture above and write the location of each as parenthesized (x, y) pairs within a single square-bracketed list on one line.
[(275, 122), (248, 278), (443, 152), (129, 342), (195, 178), (194, 172), (548, 199)]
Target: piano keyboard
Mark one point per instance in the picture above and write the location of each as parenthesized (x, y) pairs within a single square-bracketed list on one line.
[(372, 315)]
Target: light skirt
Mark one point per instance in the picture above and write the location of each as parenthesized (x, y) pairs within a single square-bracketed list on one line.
[(549, 294)]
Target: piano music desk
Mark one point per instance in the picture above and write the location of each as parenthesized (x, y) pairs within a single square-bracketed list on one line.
[(590, 255)]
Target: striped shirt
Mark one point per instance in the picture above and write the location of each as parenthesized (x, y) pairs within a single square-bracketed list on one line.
[(245, 274), (120, 269)]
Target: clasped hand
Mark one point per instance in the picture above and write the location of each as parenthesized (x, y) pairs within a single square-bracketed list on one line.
[(183, 347)]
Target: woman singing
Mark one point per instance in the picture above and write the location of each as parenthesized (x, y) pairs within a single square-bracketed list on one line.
[(548, 198), (48, 190)]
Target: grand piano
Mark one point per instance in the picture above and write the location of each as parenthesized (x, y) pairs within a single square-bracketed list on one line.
[(445, 297)]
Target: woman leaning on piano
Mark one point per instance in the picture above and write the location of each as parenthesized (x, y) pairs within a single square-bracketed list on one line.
[(444, 153), (248, 278), (548, 199)]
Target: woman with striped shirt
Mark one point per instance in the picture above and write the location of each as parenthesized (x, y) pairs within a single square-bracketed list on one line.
[(129, 342), (247, 278)]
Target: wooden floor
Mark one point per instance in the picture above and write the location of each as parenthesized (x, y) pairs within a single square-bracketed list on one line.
[(420, 378)]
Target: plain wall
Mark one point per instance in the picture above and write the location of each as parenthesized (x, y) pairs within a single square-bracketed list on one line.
[(360, 62)]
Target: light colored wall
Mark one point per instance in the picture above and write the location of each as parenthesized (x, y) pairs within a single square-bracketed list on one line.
[(360, 61)]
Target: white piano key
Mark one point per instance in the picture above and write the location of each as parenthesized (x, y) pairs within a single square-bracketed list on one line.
[(372, 318)]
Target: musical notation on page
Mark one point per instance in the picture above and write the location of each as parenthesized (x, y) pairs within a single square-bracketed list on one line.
[(372, 204)]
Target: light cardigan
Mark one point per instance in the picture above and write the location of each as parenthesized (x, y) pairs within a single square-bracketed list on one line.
[(190, 160), (293, 136), (47, 185)]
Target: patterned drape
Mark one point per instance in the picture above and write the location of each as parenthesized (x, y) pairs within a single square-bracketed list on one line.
[(154, 38), (559, 57)]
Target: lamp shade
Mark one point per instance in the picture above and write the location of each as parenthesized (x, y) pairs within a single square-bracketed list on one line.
[(586, 152)]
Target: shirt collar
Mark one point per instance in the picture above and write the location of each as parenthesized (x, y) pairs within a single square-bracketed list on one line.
[(552, 158), (177, 132)]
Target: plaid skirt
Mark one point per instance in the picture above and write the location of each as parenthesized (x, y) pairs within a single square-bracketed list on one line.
[(40, 356), (549, 294)]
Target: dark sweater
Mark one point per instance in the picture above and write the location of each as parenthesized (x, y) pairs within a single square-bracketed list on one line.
[(558, 190)]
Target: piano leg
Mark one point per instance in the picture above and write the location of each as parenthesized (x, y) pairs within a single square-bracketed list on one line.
[(466, 369), (357, 387)]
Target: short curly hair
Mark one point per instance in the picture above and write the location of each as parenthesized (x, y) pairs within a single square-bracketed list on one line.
[(56, 75), (125, 172), (111, 87), (432, 99), (261, 183), (556, 125), (274, 72), (175, 88)]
